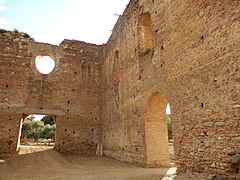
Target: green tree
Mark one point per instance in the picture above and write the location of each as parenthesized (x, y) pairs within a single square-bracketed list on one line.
[(31, 118), (34, 135), (37, 125), (26, 129), (48, 132), (169, 126), (48, 120), (36, 129)]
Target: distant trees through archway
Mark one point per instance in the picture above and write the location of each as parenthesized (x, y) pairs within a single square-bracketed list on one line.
[(40, 130)]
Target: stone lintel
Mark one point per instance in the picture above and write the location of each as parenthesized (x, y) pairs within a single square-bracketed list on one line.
[(28, 111)]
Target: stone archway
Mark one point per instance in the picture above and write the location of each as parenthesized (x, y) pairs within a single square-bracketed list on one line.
[(145, 37), (156, 134)]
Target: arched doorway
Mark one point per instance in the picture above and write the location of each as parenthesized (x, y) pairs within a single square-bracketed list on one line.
[(156, 132), (36, 129)]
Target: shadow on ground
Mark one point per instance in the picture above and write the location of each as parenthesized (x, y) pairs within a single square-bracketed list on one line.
[(45, 163)]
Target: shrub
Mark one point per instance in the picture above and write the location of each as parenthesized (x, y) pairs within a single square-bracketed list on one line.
[(2, 31)]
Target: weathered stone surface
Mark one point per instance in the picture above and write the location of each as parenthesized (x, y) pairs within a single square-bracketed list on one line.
[(71, 93), (181, 52)]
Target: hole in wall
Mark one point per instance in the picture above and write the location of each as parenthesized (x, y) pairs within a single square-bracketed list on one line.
[(145, 38), (158, 131), (9, 129), (6, 86), (73, 90), (65, 130), (202, 105), (92, 129), (63, 142), (68, 102), (115, 72), (38, 129), (73, 132), (202, 37), (44, 64)]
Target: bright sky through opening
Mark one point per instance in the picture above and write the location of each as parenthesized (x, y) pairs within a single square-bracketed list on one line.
[(52, 21), (44, 64)]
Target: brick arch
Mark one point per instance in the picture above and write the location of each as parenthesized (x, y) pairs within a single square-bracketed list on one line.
[(116, 67), (46, 52), (145, 37), (156, 134)]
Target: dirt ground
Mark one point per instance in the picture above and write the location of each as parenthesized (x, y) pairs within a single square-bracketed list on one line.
[(42, 162)]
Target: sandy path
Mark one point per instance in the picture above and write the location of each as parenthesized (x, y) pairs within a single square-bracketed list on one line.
[(41, 162)]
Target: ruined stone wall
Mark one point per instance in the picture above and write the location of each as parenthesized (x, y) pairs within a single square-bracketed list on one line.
[(183, 52), (192, 63), (71, 93)]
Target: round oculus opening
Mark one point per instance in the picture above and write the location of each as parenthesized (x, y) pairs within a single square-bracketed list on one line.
[(44, 64)]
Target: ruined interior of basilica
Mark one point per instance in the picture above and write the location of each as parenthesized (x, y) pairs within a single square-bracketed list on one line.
[(112, 97)]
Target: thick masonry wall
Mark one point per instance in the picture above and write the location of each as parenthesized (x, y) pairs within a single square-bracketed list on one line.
[(182, 52), (193, 62), (73, 88)]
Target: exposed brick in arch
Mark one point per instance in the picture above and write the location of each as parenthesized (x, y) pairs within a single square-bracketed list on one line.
[(46, 52), (145, 37), (156, 134), (116, 67)]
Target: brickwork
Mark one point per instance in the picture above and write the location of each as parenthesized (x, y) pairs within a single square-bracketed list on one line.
[(76, 78), (181, 52), (194, 62)]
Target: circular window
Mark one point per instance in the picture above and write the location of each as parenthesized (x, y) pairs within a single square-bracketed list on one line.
[(44, 64)]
